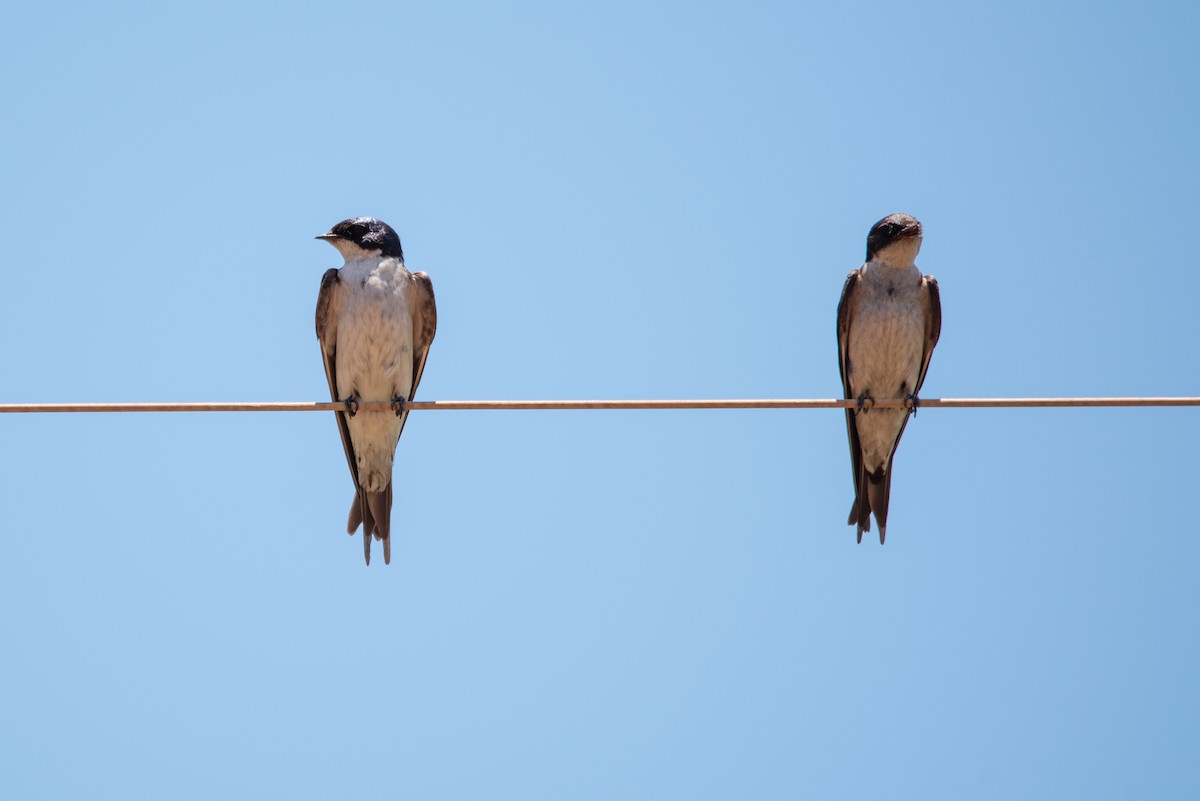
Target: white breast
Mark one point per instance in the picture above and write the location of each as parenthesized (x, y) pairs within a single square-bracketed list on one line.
[(886, 342), (887, 331), (375, 358), (374, 332)]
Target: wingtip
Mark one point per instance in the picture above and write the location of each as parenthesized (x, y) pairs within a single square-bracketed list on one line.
[(859, 519), (387, 550), (355, 519)]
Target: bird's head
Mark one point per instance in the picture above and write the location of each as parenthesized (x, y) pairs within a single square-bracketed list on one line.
[(897, 237), (359, 237)]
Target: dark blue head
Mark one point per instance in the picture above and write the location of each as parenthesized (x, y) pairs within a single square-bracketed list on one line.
[(889, 230), (369, 234)]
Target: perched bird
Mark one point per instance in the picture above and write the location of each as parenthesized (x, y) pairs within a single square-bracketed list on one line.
[(375, 322), (888, 322)]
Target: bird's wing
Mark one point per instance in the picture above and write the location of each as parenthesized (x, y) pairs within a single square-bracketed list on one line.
[(424, 317), (423, 311), (844, 319), (328, 302), (933, 323)]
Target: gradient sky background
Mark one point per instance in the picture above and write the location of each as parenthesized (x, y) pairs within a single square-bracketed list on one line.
[(614, 201)]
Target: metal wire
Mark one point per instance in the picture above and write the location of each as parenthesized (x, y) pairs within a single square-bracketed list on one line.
[(547, 405)]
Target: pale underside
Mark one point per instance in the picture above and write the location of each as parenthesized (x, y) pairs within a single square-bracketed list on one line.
[(374, 360), (885, 348)]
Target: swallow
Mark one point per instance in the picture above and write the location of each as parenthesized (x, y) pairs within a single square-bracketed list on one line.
[(375, 323), (888, 322)]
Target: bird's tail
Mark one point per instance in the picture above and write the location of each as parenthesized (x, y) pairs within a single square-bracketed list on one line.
[(878, 489), (373, 511), (860, 512)]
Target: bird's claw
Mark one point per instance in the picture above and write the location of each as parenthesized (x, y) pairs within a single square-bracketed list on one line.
[(911, 402), (398, 404), (351, 404), (865, 402)]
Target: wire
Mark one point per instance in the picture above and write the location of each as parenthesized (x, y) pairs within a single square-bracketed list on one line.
[(547, 405)]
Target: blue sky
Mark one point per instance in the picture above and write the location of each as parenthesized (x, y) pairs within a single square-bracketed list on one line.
[(614, 201)]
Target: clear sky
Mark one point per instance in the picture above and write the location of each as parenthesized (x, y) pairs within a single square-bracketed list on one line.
[(614, 200)]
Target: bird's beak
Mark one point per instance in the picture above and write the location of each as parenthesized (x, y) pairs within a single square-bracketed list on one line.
[(327, 237)]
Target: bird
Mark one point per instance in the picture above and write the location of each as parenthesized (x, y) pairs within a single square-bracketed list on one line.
[(375, 323), (889, 319)]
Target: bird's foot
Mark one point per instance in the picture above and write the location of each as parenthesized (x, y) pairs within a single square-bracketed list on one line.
[(351, 404), (865, 402), (911, 402), (398, 402)]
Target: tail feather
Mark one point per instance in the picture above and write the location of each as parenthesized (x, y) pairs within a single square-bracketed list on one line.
[(860, 510), (360, 514), (879, 486), (377, 503), (860, 514), (373, 511)]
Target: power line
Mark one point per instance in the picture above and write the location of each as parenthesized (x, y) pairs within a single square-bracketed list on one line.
[(562, 405)]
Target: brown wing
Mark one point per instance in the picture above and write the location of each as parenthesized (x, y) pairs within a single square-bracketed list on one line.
[(843, 333), (423, 309), (424, 316), (933, 323), (328, 302)]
